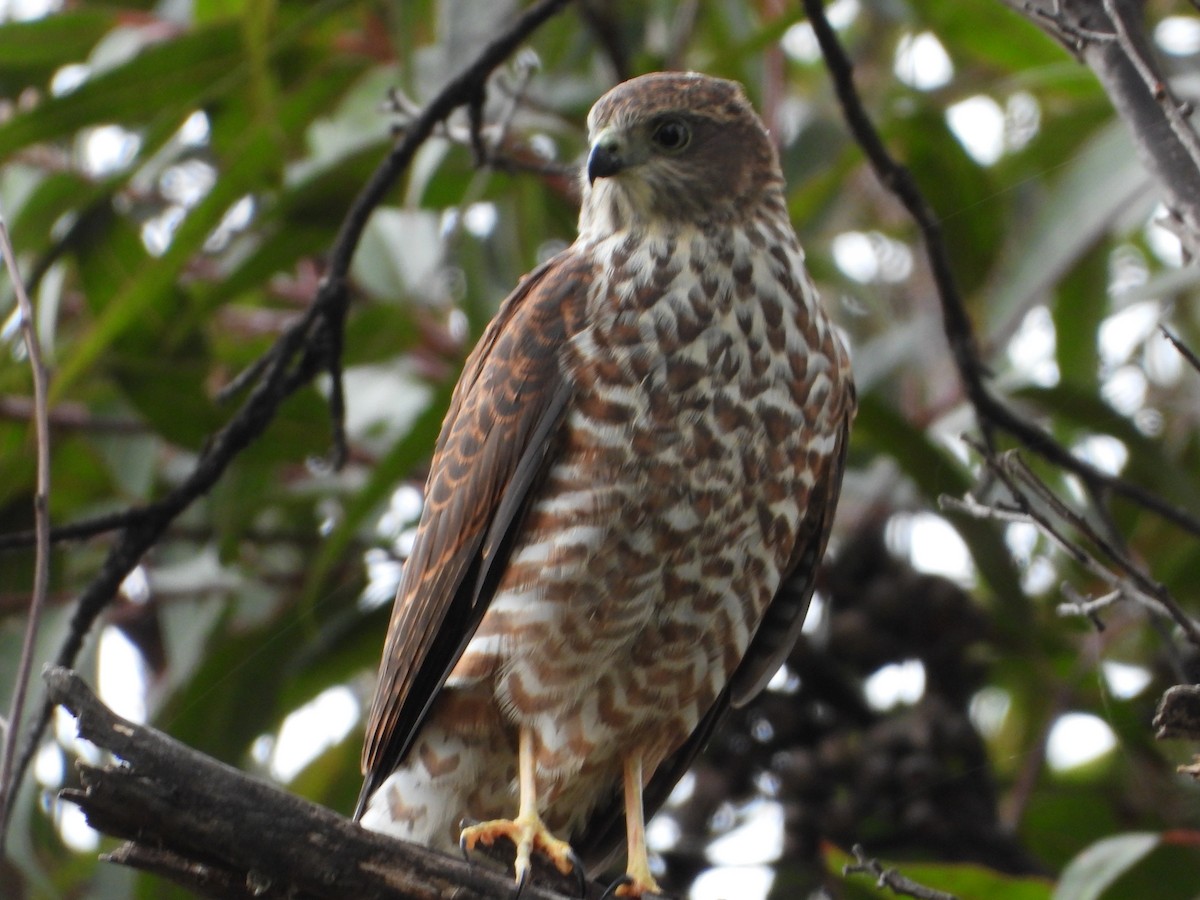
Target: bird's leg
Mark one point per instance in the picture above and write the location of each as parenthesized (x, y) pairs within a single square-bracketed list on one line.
[(638, 880), (527, 830)]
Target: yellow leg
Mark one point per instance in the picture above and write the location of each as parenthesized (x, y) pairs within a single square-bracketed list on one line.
[(638, 879), (527, 830)]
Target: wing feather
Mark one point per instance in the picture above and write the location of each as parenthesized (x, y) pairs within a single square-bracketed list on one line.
[(495, 444)]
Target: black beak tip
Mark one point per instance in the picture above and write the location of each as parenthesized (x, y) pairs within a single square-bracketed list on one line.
[(602, 162)]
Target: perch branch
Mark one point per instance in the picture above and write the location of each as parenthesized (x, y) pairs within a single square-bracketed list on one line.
[(223, 833), (1132, 43)]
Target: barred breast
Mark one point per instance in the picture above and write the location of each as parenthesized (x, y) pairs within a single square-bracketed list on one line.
[(706, 384)]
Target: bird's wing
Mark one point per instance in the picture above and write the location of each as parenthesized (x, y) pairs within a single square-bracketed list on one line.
[(492, 451), (605, 829)]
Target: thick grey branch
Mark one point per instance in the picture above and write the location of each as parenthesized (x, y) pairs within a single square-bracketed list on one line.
[(1110, 37), (222, 833)]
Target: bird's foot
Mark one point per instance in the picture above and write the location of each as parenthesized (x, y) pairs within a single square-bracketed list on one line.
[(528, 833)]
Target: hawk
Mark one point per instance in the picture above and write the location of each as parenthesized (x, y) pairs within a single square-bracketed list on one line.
[(627, 502)]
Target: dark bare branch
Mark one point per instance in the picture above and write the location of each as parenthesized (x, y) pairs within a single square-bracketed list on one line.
[(222, 833)]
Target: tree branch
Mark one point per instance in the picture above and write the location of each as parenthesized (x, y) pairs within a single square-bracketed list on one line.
[(1110, 38), (222, 833), (9, 775)]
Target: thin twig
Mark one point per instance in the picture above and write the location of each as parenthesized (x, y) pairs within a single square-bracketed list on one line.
[(1184, 350), (41, 512), (1088, 607), (1143, 584), (899, 180), (526, 65), (891, 879), (992, 415), (296, 357), (1025, 487), (502, 153), (1071, 35)]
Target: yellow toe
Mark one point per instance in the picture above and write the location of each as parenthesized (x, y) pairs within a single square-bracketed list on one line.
[(529, 834)]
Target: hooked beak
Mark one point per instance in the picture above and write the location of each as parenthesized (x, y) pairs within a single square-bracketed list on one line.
[(605, 159)]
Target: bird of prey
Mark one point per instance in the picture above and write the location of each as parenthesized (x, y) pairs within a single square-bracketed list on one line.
[(629, 497)]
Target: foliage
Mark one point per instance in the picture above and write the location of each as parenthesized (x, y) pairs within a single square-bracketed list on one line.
[(172, 176)]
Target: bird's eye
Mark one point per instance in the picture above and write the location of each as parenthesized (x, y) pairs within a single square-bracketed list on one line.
[(672, 135)]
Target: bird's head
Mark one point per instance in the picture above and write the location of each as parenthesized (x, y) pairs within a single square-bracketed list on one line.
[(673, 150)]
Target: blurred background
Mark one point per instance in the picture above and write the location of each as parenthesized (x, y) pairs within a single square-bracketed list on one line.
[(173, 172)]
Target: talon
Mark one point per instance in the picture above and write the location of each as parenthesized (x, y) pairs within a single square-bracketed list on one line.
[(611, 890), (522, 880), (529, 834), (577, 868)]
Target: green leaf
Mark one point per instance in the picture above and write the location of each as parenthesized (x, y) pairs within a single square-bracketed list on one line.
[(143, 282), (54, 196), (169, 79), (1070, 219), (32, 51), (1082, 303), (1095, 870), (948, 176), (989, 33)]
